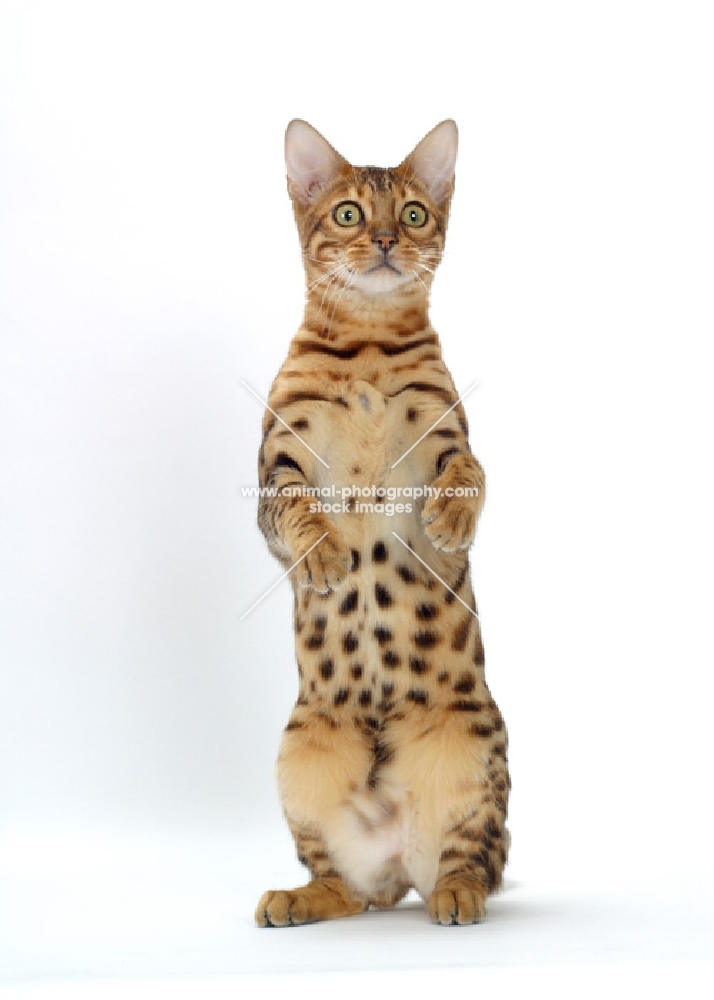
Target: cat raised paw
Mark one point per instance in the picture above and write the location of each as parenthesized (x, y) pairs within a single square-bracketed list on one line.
[(325, 566)]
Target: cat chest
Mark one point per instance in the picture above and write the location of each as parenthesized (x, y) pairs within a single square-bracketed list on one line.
[(363, 440)]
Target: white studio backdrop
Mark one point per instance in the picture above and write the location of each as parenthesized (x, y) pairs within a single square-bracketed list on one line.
[(148, 264)]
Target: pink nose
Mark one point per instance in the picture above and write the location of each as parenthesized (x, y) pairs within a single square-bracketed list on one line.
[(385, 240)]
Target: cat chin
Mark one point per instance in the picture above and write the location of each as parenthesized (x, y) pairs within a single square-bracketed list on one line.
[(380, 282)]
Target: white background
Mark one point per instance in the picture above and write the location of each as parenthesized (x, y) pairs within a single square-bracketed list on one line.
[(148, 264)]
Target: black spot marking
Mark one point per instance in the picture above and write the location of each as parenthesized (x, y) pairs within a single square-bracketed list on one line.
[(294, 724), (382, 595), (382, 634), (365, 698), (461, 633), (418, 697), (478, 657), (327, 669), (356, 670), (443, 676), (300, 425), (341, 696), (349, 603), (379, 552), (406, 574), (466, 706), (356, 560), (418, 666), (412, 414), (426, 639), (426, 612), (387, 690), (315, 641), (350, 642), (465, 684), (320, 623), (391, 659)]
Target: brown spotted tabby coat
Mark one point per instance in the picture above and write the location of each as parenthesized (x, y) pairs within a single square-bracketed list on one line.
[(392, 769)]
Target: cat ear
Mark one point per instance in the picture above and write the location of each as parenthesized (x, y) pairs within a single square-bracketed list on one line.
[(432, 162), (311, 162)]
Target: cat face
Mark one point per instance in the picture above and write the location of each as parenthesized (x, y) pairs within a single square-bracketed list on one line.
[(374, 230)]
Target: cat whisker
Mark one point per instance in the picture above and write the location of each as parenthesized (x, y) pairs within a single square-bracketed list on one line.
[(348, 284), (324, 277), (418, 277), (334, 278)]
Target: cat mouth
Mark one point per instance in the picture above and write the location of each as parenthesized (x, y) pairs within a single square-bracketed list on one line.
[(383, 264)]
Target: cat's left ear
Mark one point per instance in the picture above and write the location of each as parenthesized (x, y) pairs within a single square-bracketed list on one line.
[(433, 161), (311, 162)]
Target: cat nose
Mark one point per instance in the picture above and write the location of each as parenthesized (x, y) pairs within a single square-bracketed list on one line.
[(385, 240)]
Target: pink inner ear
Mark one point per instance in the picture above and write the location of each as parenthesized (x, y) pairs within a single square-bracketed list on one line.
[(310, 160)]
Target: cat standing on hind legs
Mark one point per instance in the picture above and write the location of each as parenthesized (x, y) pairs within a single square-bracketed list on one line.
[(392, 768)]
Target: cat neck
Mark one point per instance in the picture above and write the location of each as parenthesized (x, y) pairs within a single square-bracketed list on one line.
[(347, 313)]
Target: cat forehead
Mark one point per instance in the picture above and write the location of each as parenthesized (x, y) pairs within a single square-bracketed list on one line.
[(377, 182), (381, 180)]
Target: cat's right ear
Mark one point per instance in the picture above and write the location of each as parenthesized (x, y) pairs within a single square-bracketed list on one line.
[(311, 162)]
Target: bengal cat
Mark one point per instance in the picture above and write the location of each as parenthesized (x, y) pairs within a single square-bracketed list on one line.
[(392, 768)]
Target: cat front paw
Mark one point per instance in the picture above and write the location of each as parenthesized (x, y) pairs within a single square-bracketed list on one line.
[(326, 565), (451, 513), (449, 522), (321, 899)]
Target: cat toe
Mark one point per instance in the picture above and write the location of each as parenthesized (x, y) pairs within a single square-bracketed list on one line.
[(456, 906)]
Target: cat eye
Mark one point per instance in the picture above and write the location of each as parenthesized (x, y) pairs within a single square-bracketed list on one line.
[(347, 214), (414, 214)]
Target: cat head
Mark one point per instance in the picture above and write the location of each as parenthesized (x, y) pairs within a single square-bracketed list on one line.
[(373, 230)]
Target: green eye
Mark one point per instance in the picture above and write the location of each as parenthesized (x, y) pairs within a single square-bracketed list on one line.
[(347, 214), (414, 214)]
